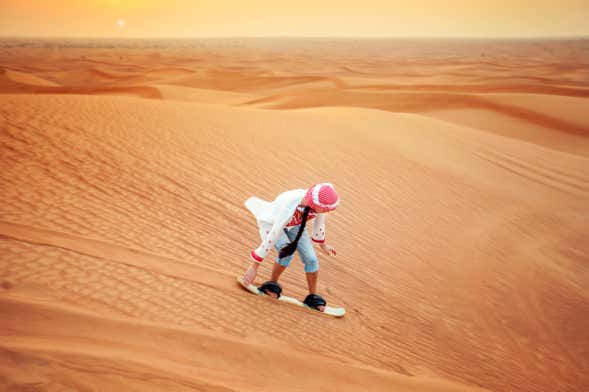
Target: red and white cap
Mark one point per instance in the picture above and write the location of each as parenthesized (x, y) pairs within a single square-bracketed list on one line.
[(322, 197)]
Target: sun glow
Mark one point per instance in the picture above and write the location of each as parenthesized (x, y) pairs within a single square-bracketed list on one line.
[(367, 18)]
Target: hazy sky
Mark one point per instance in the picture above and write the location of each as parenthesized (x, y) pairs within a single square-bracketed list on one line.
[(212, 18)]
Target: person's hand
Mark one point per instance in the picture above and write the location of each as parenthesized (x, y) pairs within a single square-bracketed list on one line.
[(250, 274), (328, 250)]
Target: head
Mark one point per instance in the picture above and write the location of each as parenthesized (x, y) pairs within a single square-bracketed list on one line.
[(322, 197)]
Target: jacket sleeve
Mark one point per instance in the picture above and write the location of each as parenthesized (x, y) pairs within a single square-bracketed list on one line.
[(319, 229), (272, 236)]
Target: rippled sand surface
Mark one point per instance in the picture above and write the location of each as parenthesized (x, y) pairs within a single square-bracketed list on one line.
[(463, 169)]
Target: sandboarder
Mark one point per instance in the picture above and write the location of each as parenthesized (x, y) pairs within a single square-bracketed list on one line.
[(282, 225)]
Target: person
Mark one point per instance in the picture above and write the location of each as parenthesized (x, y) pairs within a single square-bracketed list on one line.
[(282, 225)]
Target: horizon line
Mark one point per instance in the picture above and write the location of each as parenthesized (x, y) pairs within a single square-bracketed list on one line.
[(343, 37)]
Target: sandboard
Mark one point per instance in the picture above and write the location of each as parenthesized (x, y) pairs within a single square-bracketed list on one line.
[(331, 311)]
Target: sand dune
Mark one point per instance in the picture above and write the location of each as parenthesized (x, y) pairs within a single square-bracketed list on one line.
[(26, 78), (35, 85), (130, 355), (521, 120), (193, 94), (462, 259)]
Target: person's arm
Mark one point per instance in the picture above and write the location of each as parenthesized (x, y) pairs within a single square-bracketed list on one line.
[(319, 235), (319, 229), (257, 255), (282, 219)]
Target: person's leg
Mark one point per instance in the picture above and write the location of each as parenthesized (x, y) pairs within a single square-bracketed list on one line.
[(309, 258), (312, 281), (277, 270), (281, 264)]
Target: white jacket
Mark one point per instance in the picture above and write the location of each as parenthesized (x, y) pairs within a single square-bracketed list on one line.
[(274, 216)]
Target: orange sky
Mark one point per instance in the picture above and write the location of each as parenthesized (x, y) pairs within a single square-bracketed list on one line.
[(210, 18)]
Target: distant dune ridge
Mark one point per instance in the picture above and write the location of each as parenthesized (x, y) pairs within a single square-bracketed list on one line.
[(463, 170)]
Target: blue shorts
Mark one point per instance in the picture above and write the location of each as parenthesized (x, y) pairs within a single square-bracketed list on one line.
[(304, 247)]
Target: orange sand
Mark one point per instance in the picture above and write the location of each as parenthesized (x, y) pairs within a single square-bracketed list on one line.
[(463, 260)]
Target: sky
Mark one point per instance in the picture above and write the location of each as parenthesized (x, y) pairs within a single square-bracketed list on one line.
[(308, 18)]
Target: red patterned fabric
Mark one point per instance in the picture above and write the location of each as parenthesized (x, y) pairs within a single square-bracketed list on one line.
[(297, 218), (322, 197), (255, 257)]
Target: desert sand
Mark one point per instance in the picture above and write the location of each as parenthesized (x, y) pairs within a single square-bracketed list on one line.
[(463, 171)]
